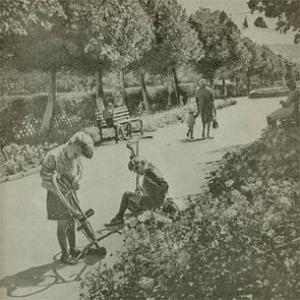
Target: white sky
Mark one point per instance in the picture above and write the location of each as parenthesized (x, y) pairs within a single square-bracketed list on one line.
[(238, 9)]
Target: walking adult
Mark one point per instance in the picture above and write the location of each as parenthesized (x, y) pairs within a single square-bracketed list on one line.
[(205, 107)]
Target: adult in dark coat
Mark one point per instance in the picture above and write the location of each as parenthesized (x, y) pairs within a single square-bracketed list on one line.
[(205, 107)]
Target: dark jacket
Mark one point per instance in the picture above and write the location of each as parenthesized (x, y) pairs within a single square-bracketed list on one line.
[(154, 183)]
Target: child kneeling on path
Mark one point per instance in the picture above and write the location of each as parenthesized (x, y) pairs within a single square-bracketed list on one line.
[(150, 195)]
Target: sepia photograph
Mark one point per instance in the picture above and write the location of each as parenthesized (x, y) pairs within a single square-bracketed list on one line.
[(150, 149)]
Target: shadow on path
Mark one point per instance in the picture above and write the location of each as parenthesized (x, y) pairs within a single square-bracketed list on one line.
[(37, 279), (187, 140)]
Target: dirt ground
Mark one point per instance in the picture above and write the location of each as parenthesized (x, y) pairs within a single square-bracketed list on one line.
[(27, 266)]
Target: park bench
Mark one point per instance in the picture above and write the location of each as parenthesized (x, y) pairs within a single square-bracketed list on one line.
[(122, 124)]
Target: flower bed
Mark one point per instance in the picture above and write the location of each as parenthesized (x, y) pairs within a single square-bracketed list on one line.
[(19, 161), (238, 240)]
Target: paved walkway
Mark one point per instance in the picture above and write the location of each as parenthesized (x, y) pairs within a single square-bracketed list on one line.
[(27, 268)]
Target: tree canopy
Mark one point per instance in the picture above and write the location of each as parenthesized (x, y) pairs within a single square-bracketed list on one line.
[(219, 36), (287, 13), (99, 36)]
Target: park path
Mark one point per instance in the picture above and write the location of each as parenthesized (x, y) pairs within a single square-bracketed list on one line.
[(26, 265)]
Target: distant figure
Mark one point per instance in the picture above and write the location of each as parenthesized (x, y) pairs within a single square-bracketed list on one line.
[(190, 120), (108, 114), (290, 107), (205, 106)]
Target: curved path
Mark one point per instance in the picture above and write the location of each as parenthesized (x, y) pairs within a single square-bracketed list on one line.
[(26, 267)]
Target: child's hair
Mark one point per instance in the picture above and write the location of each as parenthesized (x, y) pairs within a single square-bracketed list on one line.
[(134, 162), (85, 142)]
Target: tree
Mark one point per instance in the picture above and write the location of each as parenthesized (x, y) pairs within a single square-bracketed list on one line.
[(219, 36), (173, 42), (287, 13), (108, 35), (17, 15), (89, 36), (32, 39)]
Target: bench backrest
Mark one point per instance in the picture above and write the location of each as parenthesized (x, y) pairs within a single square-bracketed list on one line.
[(120, 114)]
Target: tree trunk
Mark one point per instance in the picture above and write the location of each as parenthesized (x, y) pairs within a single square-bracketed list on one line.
[(248, 83), (169, 105), (237, 83), (123, 91), (283, 79), (176, 86), (224, 88), (48, 114), (144, 92), (99, 91)]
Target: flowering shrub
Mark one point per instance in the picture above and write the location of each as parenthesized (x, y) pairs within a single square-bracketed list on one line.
[(240, 240), (275, 155), (22, 158)]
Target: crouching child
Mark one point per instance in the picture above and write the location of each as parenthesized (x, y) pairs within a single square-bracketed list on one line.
[(149, 196)]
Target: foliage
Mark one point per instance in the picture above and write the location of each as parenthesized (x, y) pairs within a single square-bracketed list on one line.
[(158, 96), (107, 34), (174, 42), (219, 36), (17, 15), (241, 243), (286, 12), (22, 158), (260, 161), (269, 92)]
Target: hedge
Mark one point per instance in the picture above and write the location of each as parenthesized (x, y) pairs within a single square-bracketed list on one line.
[(21, 116), (158, 96), (269, 92)]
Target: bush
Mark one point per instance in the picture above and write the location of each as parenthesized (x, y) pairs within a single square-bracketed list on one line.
[(22, 158), (269, 92), (237, 241), (134, 98), (188, 88), (14, 82), (158, 97), (21, 116)]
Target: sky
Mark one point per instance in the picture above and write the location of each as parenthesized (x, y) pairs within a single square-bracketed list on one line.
[(238, 10)]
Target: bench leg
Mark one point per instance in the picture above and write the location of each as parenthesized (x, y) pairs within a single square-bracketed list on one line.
[(101, 134), (129, 130), (141, 127), (116, 134)]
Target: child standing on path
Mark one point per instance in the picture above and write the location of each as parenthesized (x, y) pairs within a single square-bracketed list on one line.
[(65, 160), (190, 121)]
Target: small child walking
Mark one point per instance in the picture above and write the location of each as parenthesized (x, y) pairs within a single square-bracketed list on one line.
[(190, 121)]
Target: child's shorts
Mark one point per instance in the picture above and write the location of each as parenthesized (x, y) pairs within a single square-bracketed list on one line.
[(141, 202)]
